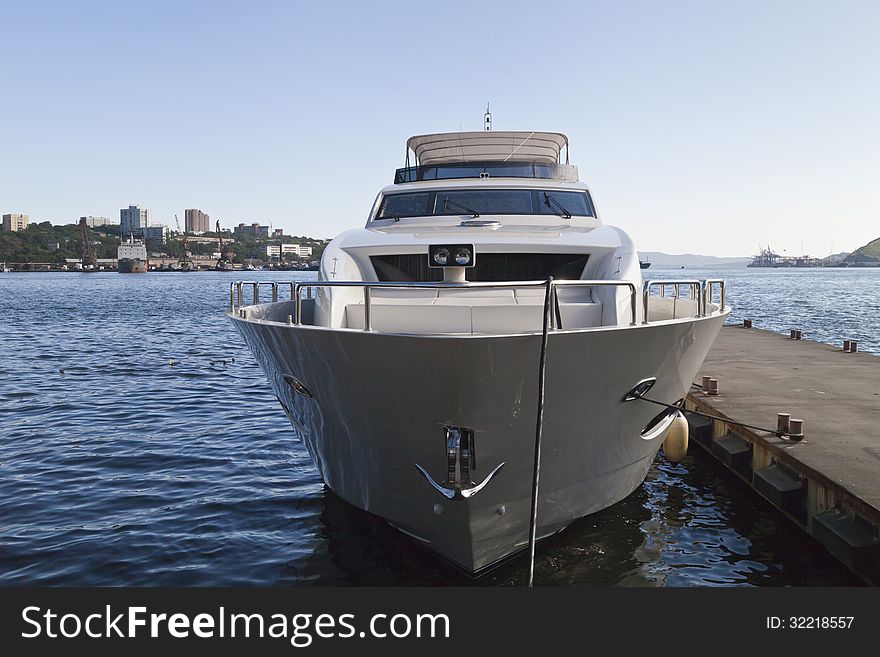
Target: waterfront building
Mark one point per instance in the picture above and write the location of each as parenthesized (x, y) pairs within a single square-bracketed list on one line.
[(210, 240), (155, 234), (14, 222), (275, 251), (254, 229), (279, 232), (96, 222), (133, 220), (196, 221)]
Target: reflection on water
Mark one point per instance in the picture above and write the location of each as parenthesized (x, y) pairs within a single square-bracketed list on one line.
[(117, 467), (691, 524)]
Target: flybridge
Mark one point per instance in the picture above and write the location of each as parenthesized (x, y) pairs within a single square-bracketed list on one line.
[(485, 154)]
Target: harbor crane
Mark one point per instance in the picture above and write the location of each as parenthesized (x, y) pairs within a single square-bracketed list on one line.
[(185, 262), (89, 259)]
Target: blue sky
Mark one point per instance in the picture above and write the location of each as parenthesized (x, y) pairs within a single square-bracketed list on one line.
[(703, 127)]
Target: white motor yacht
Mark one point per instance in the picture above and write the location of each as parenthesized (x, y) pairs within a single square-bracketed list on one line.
[(483, 287)]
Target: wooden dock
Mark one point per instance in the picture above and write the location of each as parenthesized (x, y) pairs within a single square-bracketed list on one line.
[(829, 482)]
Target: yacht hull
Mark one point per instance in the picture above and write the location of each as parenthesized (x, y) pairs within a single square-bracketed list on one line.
[(374, 406)]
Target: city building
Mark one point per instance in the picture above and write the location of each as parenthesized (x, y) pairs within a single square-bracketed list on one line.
[(254, 229), (95, 222), (279, 232), (196, 221), (211, 240), (155, 234), (275, 251), (15, 222), (133, 220)]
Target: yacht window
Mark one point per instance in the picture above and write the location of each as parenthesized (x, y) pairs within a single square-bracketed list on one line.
[(477, 170), (405, 205), (485, 201), (576, 203)]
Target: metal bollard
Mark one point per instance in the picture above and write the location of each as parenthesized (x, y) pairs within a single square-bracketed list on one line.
[(793, 334), (705, 382), (783, 422), (853, 346), (290, 319), (747, 323), (713, 386), (799, 334), (796, 430), (847, 345)]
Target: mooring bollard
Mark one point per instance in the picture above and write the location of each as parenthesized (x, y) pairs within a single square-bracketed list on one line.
[(290, 319), (713, 386), (796, 429), (793, 334), (705, 382), (747, 323), (847, 345), (798, 334), (853, 346), (783, 422)]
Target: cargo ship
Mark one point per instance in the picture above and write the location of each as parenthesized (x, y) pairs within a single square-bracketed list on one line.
[(131, 256)]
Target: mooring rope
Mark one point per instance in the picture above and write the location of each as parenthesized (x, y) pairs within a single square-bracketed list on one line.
[(539, 425), (728, 420)]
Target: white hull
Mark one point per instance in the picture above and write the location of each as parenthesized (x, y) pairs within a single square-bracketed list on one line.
[(380, 402)]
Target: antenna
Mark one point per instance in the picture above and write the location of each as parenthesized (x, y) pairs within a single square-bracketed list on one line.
[(487, 118)]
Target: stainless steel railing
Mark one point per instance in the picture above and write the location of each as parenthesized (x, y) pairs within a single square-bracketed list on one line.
[(370, 285), (708, 285), (700, 291), (236, 291)]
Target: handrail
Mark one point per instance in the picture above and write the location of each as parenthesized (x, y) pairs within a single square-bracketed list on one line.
[(708, 286), (369, 285), (694, 284), (700, 291), (237, 287)]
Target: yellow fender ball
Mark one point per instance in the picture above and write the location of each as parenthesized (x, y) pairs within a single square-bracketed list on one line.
[(675, 445)]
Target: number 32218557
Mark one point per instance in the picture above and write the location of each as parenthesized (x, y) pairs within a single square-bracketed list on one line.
[(810, 622)]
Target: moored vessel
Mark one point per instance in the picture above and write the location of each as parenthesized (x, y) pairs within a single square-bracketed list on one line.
[(483, 288), (131, 256)]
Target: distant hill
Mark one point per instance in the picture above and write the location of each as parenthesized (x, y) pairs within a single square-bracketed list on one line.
[(834, 258), (868, 253), (658, 259)]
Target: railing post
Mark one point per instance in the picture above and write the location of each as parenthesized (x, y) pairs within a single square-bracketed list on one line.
[(238, 286), (633, 303), (274, 292), (297, 309), (232, 297), (368, 320)]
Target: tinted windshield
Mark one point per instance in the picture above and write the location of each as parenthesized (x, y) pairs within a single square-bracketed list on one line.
[(486, 201)]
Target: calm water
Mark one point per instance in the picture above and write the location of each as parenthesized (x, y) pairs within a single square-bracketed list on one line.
[(118, 468)]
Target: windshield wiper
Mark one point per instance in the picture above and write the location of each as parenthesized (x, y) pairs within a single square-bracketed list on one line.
[(447, 203), (549, 199)]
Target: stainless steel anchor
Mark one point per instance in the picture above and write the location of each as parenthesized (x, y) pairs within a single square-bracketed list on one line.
[(460, 460)]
